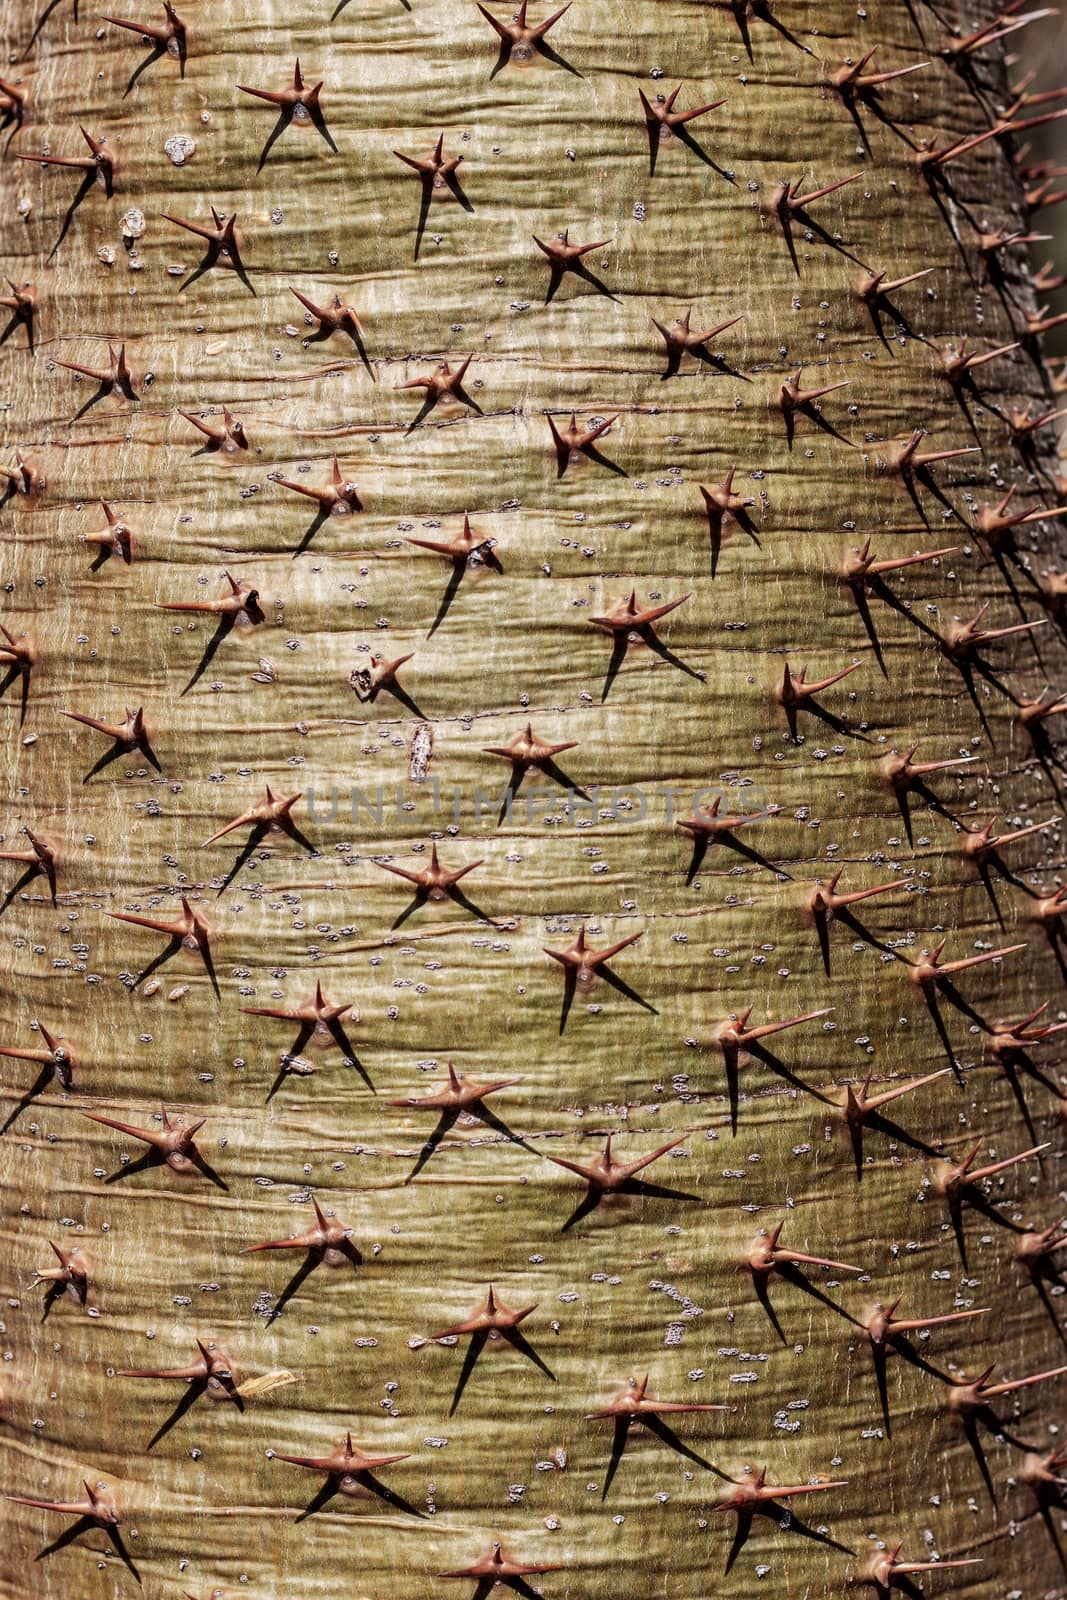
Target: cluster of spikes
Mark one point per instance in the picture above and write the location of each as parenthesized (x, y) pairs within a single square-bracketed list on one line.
[(855, 1108)]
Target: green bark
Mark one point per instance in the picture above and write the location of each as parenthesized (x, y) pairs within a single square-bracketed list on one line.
[(644, 1284)]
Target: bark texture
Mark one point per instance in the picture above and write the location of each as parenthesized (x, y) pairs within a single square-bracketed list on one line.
[(643, 1283)]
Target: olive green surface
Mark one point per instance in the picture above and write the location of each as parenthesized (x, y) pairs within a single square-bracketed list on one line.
[(643, 1284)]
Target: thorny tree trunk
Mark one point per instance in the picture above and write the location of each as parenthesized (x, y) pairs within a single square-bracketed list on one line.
[(645, 1283)]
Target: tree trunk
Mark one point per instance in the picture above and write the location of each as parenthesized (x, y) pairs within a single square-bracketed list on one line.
[(668, 724)]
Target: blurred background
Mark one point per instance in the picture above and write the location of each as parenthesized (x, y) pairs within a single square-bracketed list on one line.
[(1041, 50)]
